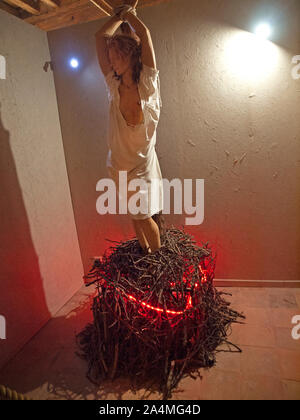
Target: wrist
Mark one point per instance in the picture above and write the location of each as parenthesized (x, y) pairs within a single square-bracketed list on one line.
[(128, 13), (117, 17), (123, 10)]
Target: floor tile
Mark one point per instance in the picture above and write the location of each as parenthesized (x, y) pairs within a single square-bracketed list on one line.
[(258, 316), (259, 387), (289, 364), (282, 317), (256, 335), (228, 361), (291, 390), (297, 297), (285, 340), (254, 297), (267, 368), (260, 361), (282, 300), (216, 384)]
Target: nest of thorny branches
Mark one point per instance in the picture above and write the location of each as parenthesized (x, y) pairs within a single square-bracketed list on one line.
[(157, 317)]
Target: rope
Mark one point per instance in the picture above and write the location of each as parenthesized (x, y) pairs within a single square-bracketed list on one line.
[(122, 9), (8, 394)]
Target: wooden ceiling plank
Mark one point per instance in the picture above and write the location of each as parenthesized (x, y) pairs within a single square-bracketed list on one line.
[(57, 12), (52, 3), (103, 6), (74, 17), (7, 8), (27, 5), (75, 12)]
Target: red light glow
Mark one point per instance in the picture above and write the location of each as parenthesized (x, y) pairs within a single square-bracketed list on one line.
[(168, 311), (157, 309), (172, 284)]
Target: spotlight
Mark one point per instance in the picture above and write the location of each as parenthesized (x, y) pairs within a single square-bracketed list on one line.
[(263, 30), (74, 63)]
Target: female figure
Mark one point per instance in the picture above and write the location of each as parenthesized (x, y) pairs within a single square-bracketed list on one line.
[(128, 64)]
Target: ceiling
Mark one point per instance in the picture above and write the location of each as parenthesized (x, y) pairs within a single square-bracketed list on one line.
[(54, 14)]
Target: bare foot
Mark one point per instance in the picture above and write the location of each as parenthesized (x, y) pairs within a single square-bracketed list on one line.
[(147, 250)]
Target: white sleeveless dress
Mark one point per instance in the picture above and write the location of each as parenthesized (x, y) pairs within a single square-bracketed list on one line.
[(132, 148)]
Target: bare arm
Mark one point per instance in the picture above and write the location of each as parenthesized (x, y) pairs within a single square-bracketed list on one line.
[(108, 29), (148, 55)]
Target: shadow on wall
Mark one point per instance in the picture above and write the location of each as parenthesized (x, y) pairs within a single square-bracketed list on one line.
[(22, 298), (47, 368)]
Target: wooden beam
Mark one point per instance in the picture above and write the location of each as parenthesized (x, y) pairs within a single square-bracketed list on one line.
[(80, 11), (103, 6), (83, 14), (60, 11), (73, 12), (27, 5), (52, 3), (7, 8)]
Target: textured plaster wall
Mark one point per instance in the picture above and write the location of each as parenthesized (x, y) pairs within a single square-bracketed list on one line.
[(41, 266), (230, 116)]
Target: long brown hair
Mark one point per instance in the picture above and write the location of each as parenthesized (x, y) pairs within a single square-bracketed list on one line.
[(128, 44)]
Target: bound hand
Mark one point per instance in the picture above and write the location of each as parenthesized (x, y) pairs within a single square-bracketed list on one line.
[(122, 9)]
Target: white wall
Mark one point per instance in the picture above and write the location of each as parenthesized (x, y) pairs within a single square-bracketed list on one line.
[(237, 129), (41, 265)]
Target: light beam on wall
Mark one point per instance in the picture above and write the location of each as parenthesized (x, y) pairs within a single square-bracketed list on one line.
[(263, 30), (250, 57)]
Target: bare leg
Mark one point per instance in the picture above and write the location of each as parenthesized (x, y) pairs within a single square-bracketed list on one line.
[(151, 232), (140, 234)]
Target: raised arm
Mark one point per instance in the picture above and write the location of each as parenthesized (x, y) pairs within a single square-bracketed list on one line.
[(108, 29), (148, 55)]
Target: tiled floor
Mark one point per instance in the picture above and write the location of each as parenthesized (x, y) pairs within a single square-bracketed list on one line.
[(268, 367)]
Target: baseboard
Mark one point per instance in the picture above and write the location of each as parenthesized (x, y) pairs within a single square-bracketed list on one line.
[(256, 283)]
